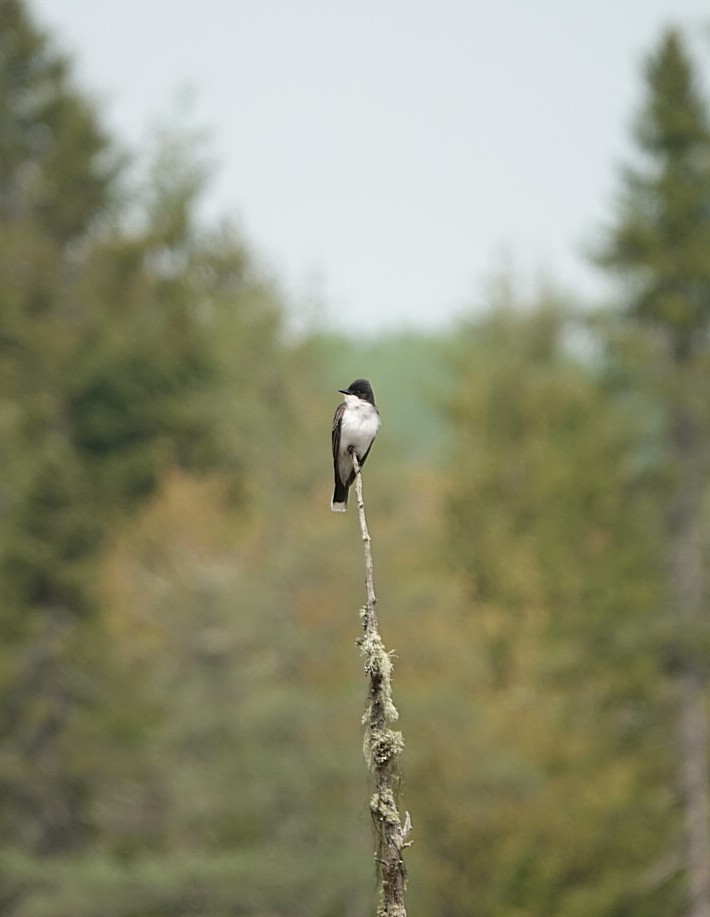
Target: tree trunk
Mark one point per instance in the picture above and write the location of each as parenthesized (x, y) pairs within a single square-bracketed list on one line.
[(688, 588), (693, 736)]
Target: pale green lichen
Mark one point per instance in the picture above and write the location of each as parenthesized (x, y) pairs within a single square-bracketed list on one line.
[(384, 808), (392, 910), (383, 745)]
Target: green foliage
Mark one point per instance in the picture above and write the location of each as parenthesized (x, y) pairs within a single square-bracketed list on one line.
[(553, 527), (662, 232), (55, 167), (119, 341), (180, 690), (660, 243)]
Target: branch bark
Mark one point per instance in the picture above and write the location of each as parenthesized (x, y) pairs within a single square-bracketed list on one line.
[(382, 745)]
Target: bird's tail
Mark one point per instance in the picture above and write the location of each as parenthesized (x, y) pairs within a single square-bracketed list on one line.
[(339, 503)]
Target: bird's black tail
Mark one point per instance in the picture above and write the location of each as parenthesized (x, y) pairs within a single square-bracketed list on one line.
[(339, 503)]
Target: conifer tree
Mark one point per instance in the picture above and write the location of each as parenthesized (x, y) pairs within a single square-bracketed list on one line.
[(55, 180), (123, 345), (551, 529), (659, 245)]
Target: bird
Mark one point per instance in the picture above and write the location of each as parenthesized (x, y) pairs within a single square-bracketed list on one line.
[(355, 426)]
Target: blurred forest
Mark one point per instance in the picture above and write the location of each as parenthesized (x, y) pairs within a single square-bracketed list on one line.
[(180, 690)]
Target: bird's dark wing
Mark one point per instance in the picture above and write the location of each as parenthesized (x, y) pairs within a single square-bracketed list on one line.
[(361, 462), (335, 435)]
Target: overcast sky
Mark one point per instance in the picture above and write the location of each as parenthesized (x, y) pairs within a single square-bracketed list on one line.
[(384, 158)]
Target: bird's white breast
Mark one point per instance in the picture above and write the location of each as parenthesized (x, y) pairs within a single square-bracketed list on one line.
[(359, 425)]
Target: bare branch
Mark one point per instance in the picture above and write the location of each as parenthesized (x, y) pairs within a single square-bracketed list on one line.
[(382, 745)]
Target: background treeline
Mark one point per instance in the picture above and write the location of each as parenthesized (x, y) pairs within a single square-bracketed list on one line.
[(180, 691)]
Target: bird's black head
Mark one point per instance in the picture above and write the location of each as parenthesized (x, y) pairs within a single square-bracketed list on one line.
[(361, 388)]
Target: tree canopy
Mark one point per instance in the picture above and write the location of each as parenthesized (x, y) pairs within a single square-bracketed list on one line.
[(180, 691)]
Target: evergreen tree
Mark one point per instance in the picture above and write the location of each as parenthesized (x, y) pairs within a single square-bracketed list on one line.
[(55, 159), (127, 347), (552, 527), (659, 245), (55, 182)]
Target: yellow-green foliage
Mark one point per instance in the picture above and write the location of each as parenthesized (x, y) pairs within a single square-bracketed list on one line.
[(180, 685)]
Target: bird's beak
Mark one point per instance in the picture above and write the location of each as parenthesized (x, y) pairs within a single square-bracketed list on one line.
[(344, 391)]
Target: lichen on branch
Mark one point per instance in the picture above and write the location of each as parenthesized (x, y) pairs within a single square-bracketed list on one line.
[(382, 745)]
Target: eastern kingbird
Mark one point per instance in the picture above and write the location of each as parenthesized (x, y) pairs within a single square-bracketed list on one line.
[(355, 426)]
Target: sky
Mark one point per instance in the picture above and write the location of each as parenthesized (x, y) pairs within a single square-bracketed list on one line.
[(386, 158)]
